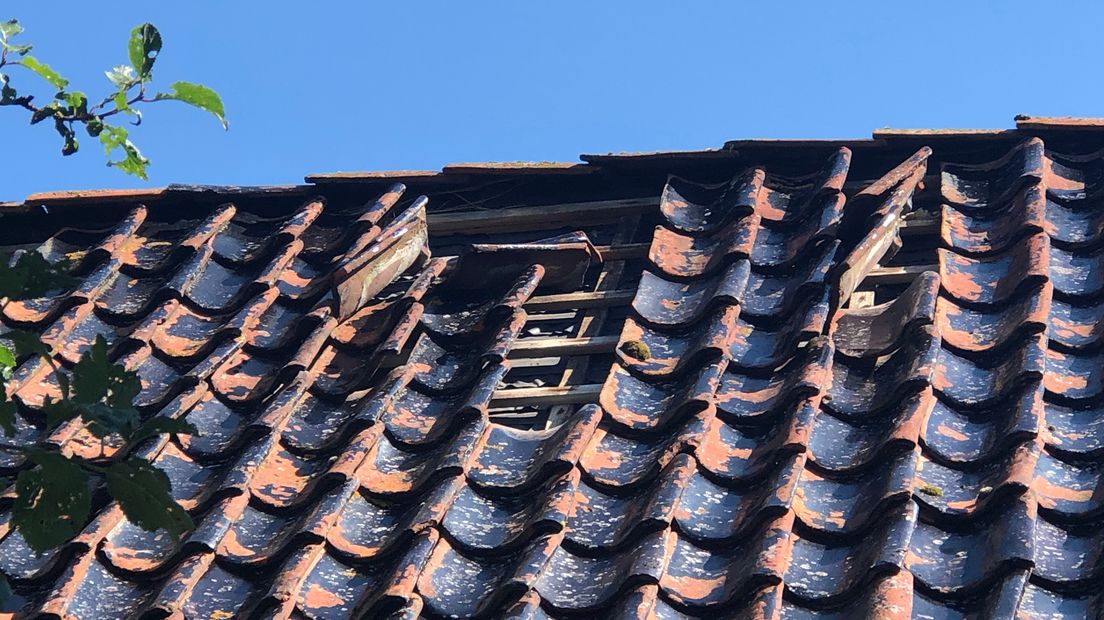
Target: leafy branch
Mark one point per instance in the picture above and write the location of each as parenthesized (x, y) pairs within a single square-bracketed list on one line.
[(53, 498), (54, 492), (70, 110)]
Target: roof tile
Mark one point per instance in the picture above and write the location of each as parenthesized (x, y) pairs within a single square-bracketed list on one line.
[(757, 449)]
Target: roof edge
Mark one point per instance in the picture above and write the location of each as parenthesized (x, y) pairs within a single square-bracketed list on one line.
[(1026, 121)]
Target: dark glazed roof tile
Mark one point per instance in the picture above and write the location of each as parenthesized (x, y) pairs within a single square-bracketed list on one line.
[(1039, 602), (1073, 178), (742, 454), (955, 564), (514, 460), (770, 296), (970, 437), (325, 587), (639, 405), (994, 229), (764, 348), (1069, 491), (889, 597), (778, 247), (865, 386), (219, 593), (487, 523), (614, 460), (94, 286), (699, 578), (74, 332), (696, 209), (669, 304), (841, 445), (413, 417), (996, 279), (1074, 432), (967, 495), (457, 585), (787, 200), (91, 591), (604, 519), (990, 184), (1002, 600), (249, 237), (377, 322), (745, 397), (1077, 275), (1066, 558), (850, 505), (673, 353), (823, 572), (220, 427), (1076, 326), (713, 514), (462, 316), (392, 470), (367, 527), (1074, 377), (214, 288), (877, 330), (988, 331), (779, 452), (683, 256), (609, 573), (315, 424), (1072, 226), (443, 367), (980, 384)]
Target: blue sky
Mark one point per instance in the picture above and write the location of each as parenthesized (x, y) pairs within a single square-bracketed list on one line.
[(329, 86)]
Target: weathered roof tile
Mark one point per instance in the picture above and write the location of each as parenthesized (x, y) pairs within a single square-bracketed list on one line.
[(759, 442)]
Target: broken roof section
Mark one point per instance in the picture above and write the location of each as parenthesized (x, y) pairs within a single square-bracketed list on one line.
[(775, 380)]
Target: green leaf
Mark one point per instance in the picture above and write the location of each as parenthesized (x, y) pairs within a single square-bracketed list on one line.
[(78, 102), (112, 137), (5, 589), (7, 363), (7, 358), (52, 500), (26, 343), (133, 162), (7, 417), (43, 277), (104, 420), (199, 96), (59, 412), (63, 383), (122, 76), (32, 276), (143, 47), (105, 392), (45, 71), (160, 424), (143, 492), (92, 374), (9, 29)]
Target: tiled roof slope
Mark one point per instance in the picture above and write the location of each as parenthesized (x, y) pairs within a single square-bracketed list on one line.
[(758, 443)]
